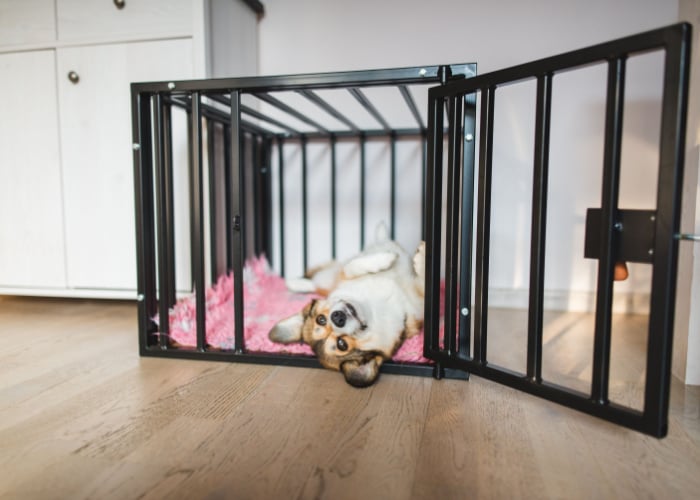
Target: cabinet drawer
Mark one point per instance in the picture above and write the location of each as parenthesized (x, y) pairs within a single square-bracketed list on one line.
[(26, 22), (136, 19)]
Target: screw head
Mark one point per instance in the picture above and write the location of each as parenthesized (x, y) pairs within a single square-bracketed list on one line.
[(171, 85), (423, 72), (469, 137), (465, 311), (651, 251), (136, 146), (140, 297)]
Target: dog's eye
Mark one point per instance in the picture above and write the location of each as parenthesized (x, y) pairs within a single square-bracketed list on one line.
[(342, 345), (321, 320)]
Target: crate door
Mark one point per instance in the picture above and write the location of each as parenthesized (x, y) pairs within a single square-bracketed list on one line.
[(463, 197)]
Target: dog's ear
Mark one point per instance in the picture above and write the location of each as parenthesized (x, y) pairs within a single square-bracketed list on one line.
[(289, 330), (361, 373)]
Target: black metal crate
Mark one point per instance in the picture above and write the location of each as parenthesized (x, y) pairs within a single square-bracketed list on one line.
[(245, 200), (234, 194)]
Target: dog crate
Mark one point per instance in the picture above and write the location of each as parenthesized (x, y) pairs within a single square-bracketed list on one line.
[(242, 182)]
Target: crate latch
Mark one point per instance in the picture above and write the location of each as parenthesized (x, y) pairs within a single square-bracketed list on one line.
[(635, 237)]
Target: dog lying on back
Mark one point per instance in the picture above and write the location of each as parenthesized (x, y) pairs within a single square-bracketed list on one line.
[(373, 302)]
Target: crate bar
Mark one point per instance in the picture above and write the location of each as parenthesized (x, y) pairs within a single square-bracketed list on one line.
[(170, 206), (550, 391), (320, 102), (145, 224), (467, 225), (256, 192), (304, 204), (280, 194), (454, 181), (164, 222), (663, 289), (334, 201), (406, 76), (615, 102), (266, 209), (411, 103), (263, 117), (237, 222), (392, 194), (363, 141), (433, 224), (197, 216), (402, 133), (291, 111), (642, 42), (228, 195), (213, 212), (543, 115), (424, 169), (367, 104), (483, 224)]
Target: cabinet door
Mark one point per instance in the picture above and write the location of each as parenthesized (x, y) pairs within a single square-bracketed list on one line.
[(80, 20), (97, 153), (31, 228), (27, 21)]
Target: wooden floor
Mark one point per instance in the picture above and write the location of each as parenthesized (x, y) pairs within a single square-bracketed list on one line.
[(82, 416)]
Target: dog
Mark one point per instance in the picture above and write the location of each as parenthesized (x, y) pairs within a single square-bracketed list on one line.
[(372, 303)]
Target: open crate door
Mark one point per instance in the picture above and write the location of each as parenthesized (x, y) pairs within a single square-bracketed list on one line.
[(461, 121)]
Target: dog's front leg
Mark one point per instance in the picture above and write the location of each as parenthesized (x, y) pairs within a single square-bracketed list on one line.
[(369, 264)]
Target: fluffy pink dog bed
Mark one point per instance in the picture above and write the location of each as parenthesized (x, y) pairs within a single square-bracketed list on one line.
[(266, 301)]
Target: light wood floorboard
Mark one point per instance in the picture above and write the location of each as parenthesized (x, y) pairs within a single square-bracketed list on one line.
[(83, 416)]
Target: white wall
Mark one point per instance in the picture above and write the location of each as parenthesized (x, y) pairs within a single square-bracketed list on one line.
[(325, 35)]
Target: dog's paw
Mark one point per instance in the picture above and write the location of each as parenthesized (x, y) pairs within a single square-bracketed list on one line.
[(369, 264), (300, 285), (419, 260)]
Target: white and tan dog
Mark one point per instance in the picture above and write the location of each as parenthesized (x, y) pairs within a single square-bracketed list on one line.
[(374, 301)]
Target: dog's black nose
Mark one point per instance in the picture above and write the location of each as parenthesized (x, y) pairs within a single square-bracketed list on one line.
[(339, 318)]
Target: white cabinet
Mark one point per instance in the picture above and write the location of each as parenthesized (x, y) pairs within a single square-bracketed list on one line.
[(97, 155), (66, 173), (31, 222)]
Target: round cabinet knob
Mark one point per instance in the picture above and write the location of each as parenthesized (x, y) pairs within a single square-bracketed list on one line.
[(120, 4), (73, 77)]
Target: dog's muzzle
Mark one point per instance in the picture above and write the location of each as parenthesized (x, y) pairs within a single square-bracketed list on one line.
[(339, 318), (346, 316)]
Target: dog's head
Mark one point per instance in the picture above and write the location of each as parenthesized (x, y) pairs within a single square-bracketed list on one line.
[(339, 334)]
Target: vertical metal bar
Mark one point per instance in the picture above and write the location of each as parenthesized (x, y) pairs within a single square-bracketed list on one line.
[(266, 180), (197, 217), (170, 204), (238, 226), (668, 206), (424, 169), (256, 192), (213, 215), (228, 194), (467, 226), (392, 200), (363, 141), (433, 223), (539, 225), (483, 224), (609, 198), (334, 189), (454, 182), (145, 237), (164, 263), (280, 161), (304, 204)]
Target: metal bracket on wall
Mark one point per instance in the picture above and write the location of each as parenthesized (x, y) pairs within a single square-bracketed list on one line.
[(688, 237)]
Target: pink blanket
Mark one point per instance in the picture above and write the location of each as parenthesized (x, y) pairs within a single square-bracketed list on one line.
[(266, 301)]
